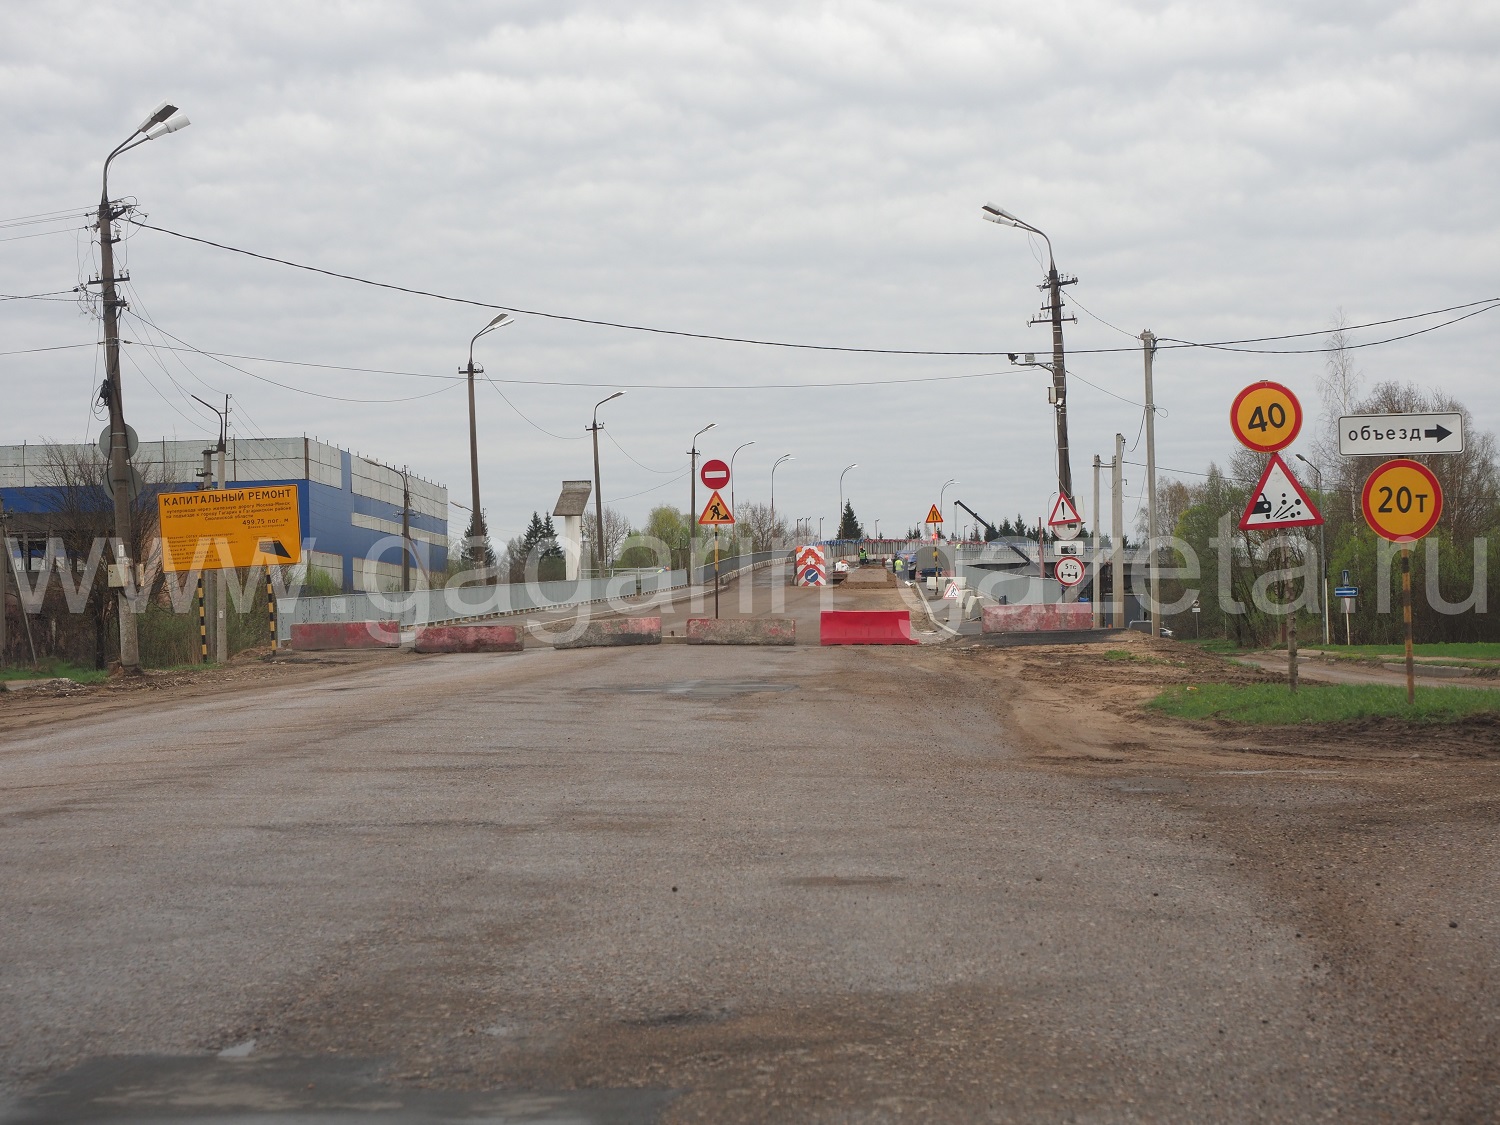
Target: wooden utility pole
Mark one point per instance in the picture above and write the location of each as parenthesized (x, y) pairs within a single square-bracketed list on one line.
[(1117, 540), (1148, 342), (5, 567)]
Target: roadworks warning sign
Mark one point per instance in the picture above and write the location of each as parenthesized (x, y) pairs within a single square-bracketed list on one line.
[(223, 528)]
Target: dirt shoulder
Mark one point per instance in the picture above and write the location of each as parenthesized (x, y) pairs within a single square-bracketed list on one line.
[(1085, 705), (253, 670)]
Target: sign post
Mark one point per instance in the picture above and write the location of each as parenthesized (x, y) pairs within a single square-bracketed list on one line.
[(1266, 417), (935, 522), (1402, 501), (716, 514)]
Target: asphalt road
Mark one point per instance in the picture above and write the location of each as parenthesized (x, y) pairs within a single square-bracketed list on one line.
[(706, 885)]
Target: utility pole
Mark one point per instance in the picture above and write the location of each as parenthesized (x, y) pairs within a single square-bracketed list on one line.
[(4, 579), (1059, 395), (406, 551), (1098, 609), (480, 538), (1148, 345), (1052, 312), (161, 122), (220, 585), (693, 499), (1117, 540), (599, 544), (119, 468), (210, 587)]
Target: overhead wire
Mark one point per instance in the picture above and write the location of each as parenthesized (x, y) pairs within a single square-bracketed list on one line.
[(1169, 342), (648, 468), (522, 415)]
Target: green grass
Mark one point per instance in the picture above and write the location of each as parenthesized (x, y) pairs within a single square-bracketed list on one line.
[(1209, 644), (55, 669), (1478, 650), (1275, 705)]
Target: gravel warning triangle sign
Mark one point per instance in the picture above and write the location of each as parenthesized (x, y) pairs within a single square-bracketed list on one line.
[(1279, 501)]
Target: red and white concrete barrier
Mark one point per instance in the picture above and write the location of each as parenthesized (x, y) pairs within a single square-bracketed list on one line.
[(470, 638)]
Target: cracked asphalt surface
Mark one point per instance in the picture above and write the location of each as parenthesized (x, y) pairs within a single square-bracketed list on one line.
[(692, 884)]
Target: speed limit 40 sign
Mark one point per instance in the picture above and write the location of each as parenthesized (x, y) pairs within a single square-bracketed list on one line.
[(1266, 417)]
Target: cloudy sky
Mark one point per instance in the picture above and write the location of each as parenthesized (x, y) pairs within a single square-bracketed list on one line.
[(800, 172)]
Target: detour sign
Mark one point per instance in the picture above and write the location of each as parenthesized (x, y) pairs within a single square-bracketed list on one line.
[(1402, 500), (221, 528)]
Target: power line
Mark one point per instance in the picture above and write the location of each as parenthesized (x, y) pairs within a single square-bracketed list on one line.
[(283, 386), (528, 421), (1170, 342), (54, 348), (648, 468)]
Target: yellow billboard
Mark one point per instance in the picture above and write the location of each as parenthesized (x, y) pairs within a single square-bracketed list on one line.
[(220, 528)]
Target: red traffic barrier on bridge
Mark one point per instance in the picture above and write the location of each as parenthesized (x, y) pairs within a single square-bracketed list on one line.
[(866, 627), (469, 638)]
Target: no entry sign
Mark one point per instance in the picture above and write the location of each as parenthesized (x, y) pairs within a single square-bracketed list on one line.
[(714, 474)]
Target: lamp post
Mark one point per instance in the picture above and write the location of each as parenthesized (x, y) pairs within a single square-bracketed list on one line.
[(158, 124), (600, 561), (841, 497), (779, 460), (1322, 548), (732, 456), (477, 522), (1059, 396), (693, 498)]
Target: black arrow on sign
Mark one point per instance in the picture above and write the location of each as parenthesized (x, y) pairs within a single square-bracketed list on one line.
[(1440, 433)]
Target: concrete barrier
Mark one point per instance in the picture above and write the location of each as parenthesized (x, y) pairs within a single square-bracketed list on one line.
[(616, 631), (1037, 618), (325, 636), (865, 627), (758, 631), (470, 638)]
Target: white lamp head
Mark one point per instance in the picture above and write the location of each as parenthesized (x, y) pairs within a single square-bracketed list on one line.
[(162, 128)]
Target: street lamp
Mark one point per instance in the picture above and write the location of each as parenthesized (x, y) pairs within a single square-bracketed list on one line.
[(1059, 396), (477, 522), (600, 561), (779, 460), (693, 498), (158, 124), (1322, 547), (841, 497), (732, 456)]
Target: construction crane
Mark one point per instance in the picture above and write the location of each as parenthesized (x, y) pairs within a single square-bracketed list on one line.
[(989, 528)]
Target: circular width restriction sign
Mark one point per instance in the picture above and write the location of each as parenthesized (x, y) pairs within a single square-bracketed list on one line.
[(714, 474), (1266, 417), (1402, 500), (1069, 571)]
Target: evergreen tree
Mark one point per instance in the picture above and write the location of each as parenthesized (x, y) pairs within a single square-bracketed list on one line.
[(476, 550), (849, 526)]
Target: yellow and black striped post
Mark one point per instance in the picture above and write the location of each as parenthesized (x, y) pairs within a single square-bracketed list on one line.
[(1411, 680), (271, 609), (202, 625)]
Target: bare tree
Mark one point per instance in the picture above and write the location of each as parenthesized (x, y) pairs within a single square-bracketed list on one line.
[(755, 524), (1339, 388), (616, 528)]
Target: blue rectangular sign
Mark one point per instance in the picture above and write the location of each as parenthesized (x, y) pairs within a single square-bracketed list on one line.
[(1346, 591)]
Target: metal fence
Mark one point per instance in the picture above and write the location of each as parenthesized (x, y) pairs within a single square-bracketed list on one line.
[(459, 603)]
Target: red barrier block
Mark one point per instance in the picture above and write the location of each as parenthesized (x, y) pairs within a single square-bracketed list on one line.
[(326, 635), (1057, 617), (469, 638), (752, 631), (866, 627)]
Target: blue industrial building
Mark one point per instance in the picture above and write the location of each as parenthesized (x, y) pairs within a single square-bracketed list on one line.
[(350, 505)]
